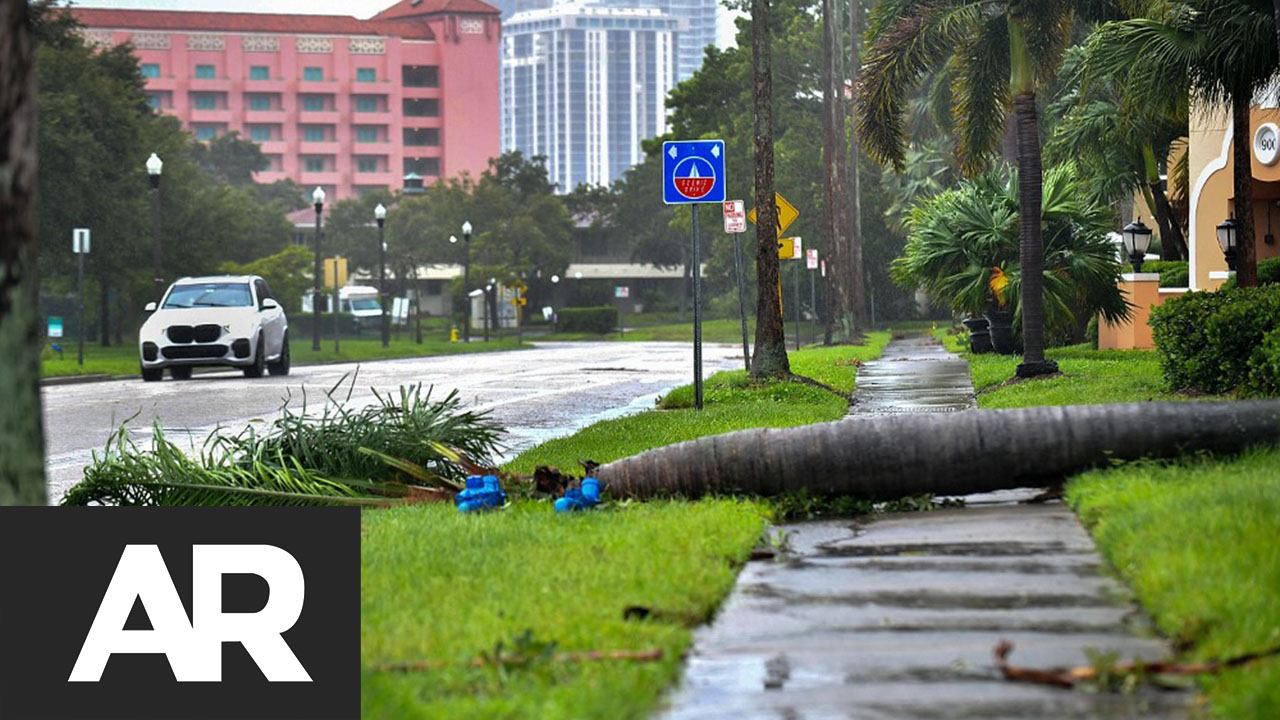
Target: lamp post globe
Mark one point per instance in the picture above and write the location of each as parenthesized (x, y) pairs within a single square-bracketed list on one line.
[(1136, 237), (466, 277), (1227, 234), (380, 216), (154, 166), (317, 199)]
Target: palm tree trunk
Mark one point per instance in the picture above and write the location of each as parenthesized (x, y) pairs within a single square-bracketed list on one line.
[(770, 355), (1172, 243), (1030, 197), (21, 433), (1242, 178), (833, 195), (946, 454), (857, 288)]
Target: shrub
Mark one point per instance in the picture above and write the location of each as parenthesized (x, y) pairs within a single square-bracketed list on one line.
[(1173, 273), (1220, 342), (600, 320), (1269, 271)]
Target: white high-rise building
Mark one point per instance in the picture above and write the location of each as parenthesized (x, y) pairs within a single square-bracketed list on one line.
[(584, 85)]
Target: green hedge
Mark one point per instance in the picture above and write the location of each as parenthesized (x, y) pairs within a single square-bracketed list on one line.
[(600, 320), (1173, 273), (1220, 342)]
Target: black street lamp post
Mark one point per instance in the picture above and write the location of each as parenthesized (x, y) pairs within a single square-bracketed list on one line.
[(466, 275), (317, 197), (1136, 237), (1227, 241), (380, 214), (154, 166)]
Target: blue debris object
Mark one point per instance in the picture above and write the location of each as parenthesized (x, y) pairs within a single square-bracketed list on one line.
[(481, 493), (584, 498)]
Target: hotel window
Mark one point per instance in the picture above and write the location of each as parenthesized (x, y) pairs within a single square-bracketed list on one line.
[(313, 74), (259, 102), (422, 136), (153, 101), (206, 132), (259, 72), (260, 133), (205, 101), (366, 134), (150, 70), (314, 163), (205, 72), (366, 75), (313, 133), (422, 76), (422, 108), (367, 164), (366, 103), (313, 103), (422, 166)]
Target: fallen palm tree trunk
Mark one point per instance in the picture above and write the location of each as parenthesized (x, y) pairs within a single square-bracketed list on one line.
[(945, 454)]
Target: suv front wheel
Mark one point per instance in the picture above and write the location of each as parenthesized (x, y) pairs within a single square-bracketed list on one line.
[(152, 374), (281, 365), (255, 370)]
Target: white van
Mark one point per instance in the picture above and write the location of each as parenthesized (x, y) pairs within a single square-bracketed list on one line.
[(359, 301)]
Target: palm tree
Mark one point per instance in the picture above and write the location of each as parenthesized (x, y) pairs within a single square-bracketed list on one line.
[(1225, 52), (1001, 52), (21, 434), (1120, 142), (770, 355)]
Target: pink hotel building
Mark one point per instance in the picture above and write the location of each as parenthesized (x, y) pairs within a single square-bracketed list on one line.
[(345, 104)]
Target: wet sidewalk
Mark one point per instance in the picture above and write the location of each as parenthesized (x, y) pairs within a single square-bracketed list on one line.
[(898, 618)]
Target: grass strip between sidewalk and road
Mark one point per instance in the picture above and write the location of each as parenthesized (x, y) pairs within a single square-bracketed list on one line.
[(1196, 541), (123, 359), (445, 588), (732, 401)]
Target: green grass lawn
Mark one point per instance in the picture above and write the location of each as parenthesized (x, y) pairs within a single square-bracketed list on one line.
[(1196, 541), (732, 402), (123, 359), (724, 330), (1088, 377), (441, 586)]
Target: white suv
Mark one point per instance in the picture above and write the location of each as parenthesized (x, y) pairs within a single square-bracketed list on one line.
[(220, 320)]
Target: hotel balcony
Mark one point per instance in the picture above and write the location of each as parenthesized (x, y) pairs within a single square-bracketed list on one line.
[(270, 176), (276, 85), (203, 84), (278, 116), (319, 117), (319, 147), (325, 177), (392, 180), (219, 115), (274, 147)]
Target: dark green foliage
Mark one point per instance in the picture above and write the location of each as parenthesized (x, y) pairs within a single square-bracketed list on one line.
[(1173, 273), (1225, 341), (1269, 271), (341, 456), (600, 320)]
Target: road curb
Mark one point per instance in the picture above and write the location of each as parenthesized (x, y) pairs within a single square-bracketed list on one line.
[(76, 379)]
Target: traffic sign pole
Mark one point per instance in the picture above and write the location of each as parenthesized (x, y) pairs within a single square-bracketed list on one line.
[(796, 277), (697, 314), (742, 300), (80, 297), (813, 307)]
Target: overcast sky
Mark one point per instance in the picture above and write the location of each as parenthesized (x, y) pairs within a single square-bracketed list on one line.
[(359, 8)]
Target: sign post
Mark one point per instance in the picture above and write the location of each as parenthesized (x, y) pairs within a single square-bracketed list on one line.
[(693, 173), (735, 222), (80, 245), (811, 262)]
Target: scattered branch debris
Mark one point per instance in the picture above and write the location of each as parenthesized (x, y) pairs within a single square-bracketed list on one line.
[(651, 655), (1106, 672)]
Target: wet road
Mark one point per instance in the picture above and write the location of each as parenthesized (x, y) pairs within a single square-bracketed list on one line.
[(536, 394)]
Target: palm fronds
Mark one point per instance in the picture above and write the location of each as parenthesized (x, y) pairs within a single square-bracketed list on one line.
[(376, 455)]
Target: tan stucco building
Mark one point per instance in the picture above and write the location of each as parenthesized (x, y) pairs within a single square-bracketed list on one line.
[(1211, 168)]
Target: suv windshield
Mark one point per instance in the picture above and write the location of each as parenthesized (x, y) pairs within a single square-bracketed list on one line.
[(211, 294), (365, 304)]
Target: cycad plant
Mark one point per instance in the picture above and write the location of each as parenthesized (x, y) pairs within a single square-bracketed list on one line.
[(1000, 53), (962, 249)]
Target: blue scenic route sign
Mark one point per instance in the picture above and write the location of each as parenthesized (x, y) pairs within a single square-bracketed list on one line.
[(693, 171)]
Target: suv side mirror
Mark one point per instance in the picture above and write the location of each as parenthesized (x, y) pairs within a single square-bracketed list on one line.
[(150, 307), (269, 303)]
